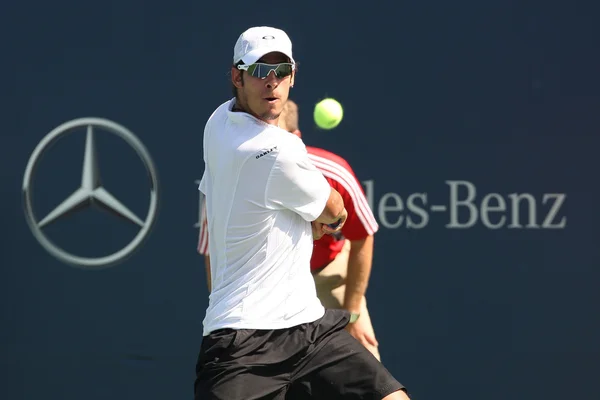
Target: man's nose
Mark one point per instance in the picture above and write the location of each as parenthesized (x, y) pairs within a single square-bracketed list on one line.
[(271, 81)]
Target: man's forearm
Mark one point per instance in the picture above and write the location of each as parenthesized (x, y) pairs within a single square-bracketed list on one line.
[(359, 271), (334, 208)]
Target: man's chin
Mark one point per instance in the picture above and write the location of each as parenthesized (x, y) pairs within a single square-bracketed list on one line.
[(270, 116), (271, 113)]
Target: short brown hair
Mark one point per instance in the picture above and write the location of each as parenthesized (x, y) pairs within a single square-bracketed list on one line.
[(234, 89), (290, 116)]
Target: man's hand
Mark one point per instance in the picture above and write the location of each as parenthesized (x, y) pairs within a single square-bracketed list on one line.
[(338, 225), (357, 329), (317, 230)]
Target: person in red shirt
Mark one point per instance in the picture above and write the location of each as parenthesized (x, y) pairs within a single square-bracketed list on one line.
[(341, 264)]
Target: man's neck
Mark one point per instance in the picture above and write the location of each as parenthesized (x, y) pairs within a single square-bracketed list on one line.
[(237, 108)]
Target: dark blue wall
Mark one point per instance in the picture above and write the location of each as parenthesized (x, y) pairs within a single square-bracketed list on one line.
[(502, 95)]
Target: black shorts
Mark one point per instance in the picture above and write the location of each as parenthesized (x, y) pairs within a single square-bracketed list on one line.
[(314, 360)]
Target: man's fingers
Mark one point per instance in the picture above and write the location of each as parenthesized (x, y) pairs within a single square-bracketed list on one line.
[(328, 229), (371, 340), (317, 230)]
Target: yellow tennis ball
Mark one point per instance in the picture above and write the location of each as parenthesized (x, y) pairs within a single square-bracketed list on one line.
[(328, 113)]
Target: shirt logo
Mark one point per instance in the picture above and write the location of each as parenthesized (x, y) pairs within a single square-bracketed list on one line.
[(264, 153)]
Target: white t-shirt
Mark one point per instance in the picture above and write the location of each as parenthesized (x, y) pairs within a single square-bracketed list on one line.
[(261, 192)]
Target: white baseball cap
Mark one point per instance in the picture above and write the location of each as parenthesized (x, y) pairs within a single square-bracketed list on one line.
[(260, 40)]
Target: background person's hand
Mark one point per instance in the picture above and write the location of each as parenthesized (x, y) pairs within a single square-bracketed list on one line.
[(362, 334)]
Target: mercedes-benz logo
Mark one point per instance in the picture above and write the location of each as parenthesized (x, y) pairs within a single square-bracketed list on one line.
[(90, 192)]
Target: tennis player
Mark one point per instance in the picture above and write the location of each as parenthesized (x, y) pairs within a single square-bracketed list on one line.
[(266, 333)]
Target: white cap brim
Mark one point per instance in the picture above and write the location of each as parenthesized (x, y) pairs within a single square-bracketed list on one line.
[(254, 55)]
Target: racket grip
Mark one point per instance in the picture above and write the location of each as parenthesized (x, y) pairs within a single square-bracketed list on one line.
[(335, 224)]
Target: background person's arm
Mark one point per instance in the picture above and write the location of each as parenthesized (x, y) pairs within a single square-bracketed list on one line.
[(207, 266), (203, 244)]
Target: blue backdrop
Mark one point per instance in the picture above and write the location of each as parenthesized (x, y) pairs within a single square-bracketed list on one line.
[(487, 110)]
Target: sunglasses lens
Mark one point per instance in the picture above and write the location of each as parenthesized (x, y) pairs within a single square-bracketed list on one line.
[(253, 70), (262, 70), (283, 70)]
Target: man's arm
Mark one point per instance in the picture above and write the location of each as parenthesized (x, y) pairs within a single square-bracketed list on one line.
[(334, 209), (296, 184), (360, 261), (333, 213)]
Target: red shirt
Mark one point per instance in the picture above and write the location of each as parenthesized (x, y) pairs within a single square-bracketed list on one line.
[(360, 223)]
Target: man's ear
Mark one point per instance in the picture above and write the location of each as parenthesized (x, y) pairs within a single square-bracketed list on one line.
[(236, 77), (292, 79)]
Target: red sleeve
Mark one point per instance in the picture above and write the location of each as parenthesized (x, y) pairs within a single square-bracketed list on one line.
[(361, 221), (203, 235)]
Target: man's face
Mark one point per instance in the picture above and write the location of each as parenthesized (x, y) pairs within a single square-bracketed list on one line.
[(264, 98)]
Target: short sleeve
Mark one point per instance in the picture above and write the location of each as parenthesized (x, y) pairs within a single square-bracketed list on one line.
[(296, 184), (361, 221)]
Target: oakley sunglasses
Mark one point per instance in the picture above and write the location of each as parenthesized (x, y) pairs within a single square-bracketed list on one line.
[(262, 70)]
